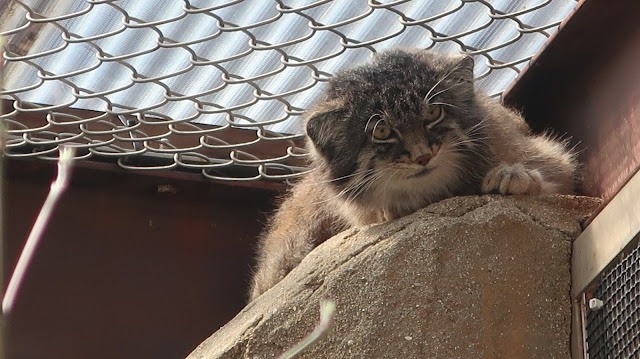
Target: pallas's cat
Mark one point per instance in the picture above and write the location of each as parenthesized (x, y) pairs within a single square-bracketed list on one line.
[(395, 135)]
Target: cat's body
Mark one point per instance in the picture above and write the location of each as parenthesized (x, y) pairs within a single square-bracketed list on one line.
[(396, 135)]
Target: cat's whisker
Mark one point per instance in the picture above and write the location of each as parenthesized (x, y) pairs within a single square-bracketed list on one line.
[(373, 178), (478, 157), (471, 146), (357, 173), (468, 145), (367, 183), (344, 177), (356, 190), (339, 194), (356, 185), (329, 198), (365, 186), (483, 124), (465, 143), (349, 187), (472, 139), (427, 97), (447, 104), (389, 178), (366, 126), (476, 130)]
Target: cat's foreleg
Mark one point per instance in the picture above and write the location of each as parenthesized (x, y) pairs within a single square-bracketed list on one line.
[(515, 179), (300, 224), (546, 166), (279, 253)]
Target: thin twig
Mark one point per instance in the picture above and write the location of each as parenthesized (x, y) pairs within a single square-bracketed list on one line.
[(327, 308), (57, 188), (3, 324), (2, 134)]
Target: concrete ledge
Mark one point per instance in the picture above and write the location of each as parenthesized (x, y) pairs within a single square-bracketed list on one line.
[(468, 277)]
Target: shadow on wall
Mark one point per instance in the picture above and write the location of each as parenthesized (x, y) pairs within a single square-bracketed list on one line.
[(127, 269)]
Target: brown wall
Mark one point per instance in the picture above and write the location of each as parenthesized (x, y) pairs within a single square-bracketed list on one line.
[(124, 271), (586, 84)]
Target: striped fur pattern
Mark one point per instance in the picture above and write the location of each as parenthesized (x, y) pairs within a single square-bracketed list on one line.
[(395, 135)]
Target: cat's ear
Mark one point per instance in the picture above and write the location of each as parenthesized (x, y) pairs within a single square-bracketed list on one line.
[(321, 123), (463, 68)]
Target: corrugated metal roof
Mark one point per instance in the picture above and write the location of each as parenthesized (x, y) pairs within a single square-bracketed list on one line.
[(247, 61)]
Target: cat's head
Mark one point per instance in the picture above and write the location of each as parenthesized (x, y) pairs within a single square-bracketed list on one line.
[(408, 118)]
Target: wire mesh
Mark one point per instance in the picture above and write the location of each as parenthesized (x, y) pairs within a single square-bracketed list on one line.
[(613, 331), (221, 87)]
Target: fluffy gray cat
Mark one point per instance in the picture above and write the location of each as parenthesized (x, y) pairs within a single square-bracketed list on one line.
[(395, 135)]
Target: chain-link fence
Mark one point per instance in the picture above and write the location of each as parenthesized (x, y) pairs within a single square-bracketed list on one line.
[(613, 331), (220, 87)]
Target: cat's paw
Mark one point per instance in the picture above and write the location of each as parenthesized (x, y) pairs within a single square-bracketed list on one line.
[(513, 179)]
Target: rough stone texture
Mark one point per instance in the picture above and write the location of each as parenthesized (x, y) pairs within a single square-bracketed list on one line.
[(468, 277)]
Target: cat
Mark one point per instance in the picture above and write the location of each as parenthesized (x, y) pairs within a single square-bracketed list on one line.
[(395, 135)]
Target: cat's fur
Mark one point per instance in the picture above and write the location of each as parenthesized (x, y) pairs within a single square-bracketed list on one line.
[(476, 146)]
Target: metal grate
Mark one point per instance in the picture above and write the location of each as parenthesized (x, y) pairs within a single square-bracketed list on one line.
[(220, 87), (613, 331)]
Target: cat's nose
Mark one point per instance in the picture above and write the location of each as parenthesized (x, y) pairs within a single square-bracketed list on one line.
[(423, 160)]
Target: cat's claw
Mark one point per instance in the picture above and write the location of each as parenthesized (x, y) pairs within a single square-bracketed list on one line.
[(513, 179)]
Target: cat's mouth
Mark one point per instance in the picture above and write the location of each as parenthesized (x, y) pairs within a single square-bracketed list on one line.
[(412, 170), (423, 172)]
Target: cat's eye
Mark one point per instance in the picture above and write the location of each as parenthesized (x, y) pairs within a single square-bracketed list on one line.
[(382, 131), (433, 112)]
